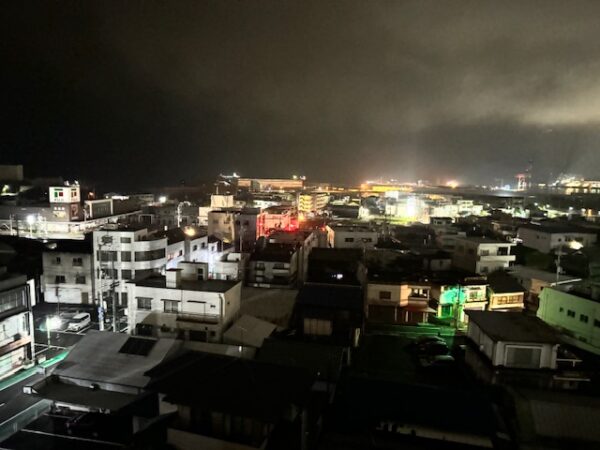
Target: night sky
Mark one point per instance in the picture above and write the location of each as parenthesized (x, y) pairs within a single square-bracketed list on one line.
[(141, 94)]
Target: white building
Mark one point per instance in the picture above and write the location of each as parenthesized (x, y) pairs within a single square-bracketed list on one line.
[(481, 255), (575, 310), (351, 236), (68, 273), (17, 297), (313, 202), (123, 254), (545, 238), (182, 305), (513, 340)]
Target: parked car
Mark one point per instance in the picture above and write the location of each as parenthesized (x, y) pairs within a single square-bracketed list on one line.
[(433, 349), (437, 361), (79, 322)]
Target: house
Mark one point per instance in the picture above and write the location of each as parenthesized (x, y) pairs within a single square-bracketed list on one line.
[(245, 404), (97, 397), (482, 255), (517, 348), (336, 266), (394, 297), (17, 298), (456, 292), (504, 293), (68, 272), (575, 311), (535, 280), (183, 306), (274, 265), (330, 313), (548, 237), (351, 236)]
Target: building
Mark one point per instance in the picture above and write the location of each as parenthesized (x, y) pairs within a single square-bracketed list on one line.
[(182, 305), (546, 238), (274, 265), (396, 298), (17, 298), (458, 292), (271, 184), (246, 404), (304, 240), (574, 310), (505, 293), (535, 280), (68, 272), (221, 224), (333, 314), (314, 202), (98, 397), (247, 228), (124, 254), (335, 266), (277, 218), (515, 348), (351, 236), (481, 255)]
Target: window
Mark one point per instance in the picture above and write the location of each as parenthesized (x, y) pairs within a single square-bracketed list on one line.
[(171, 306), (59, 279), (106, 256), (385, 295), (570, 313), (597, 323), (150, 255), (78, 262), (523, 357), (260, 266), (124, 299), (561, 309), (237, 222), (203, 245), (349, 240), (56, 261), (126, 256), (125, 240), (246, 223), (367, 240), (318, 327), (195, 247), (79, 279), (180, 252), (215, 222), (583, 318), (144, 303), (126, 274)]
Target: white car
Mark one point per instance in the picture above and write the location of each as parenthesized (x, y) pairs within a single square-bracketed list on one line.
[(79, 322)]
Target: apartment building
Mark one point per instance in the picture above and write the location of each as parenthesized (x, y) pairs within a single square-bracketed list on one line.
[(351, 236), (314, 202), (545, 238), (182, 305), (482, 255), (68, 272), (17, 297)]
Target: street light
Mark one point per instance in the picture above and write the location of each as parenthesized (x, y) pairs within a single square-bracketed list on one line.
[(53, 323)]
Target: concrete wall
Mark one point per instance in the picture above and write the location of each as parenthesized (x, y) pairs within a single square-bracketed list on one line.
[(66, 264)]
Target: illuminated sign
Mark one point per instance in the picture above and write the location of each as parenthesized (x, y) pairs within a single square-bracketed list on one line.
[(64, 194)]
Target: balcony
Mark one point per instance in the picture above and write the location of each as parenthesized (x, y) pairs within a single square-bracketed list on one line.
[(198, 318)]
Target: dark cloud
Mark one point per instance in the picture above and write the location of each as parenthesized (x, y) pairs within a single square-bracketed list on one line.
[(141, 93)]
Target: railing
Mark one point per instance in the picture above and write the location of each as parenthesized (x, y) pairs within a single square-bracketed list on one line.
[(198, 318)]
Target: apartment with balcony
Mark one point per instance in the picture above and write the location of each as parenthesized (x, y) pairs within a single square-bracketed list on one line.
[(68, 272), (182, 305), (481, 255), (17, 297), (394, 297), (123, 254)]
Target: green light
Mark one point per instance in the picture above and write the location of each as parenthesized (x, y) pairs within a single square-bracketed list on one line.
[(453, 296)]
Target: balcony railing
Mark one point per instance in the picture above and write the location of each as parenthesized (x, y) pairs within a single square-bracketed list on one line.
[(198, 318)]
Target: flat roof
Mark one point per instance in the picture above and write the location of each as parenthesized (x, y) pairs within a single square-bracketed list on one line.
[(483, 240), (330, 296), (514, 327), (187, 285), (501, 283), (557, 228), (542, 275)]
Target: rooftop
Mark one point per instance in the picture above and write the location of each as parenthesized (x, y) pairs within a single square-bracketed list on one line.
[(542, 275), (70, 246), (248, 330), (556, 228), (160, 282), (482, 240), (514, 327), (502, 283), (239, 386), (274, 252), (98, 357)]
